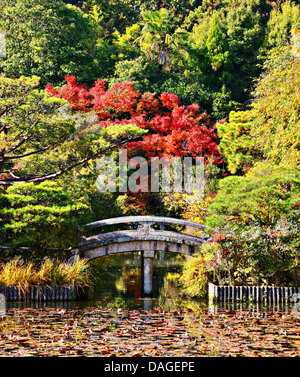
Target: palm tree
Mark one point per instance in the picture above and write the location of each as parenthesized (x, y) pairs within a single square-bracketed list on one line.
[(158, 36)]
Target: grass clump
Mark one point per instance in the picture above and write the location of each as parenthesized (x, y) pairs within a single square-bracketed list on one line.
[(18, 273)]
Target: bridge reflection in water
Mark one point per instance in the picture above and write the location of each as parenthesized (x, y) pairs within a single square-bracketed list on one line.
[(149, 235)]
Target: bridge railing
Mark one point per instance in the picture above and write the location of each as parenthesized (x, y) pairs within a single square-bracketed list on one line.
[(145, 220), (144, 239)]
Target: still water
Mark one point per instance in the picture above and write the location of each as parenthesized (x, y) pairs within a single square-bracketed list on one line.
[(118, 321), (119, 282), (118, 285)]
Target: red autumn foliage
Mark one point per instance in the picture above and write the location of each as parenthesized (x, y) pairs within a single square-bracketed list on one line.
[(174, 130), (78, 95)]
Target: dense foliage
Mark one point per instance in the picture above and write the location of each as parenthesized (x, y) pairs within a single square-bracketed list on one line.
[(172, 129), (45, 38), (40, 141), (205, 52), (254, 218), (162, 79), (255, 221), (40, 217)]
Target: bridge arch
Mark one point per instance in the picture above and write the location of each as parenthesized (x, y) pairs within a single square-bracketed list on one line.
[(145, 238)]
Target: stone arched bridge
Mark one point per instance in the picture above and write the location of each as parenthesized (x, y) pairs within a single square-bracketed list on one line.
[(149, 235)]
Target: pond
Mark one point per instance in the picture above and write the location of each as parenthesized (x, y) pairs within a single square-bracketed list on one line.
[(118, 285), (119, 321), (118, 282)]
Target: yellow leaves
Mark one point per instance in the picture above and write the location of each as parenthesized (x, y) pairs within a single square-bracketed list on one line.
[(194, 276), (275, 126), (115, 131), (295, 31), (191, 208)]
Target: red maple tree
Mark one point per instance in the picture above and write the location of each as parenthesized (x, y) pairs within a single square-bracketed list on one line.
[(173, 129)]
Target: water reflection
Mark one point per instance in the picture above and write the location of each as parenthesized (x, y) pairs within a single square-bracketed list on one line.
[(106, 301), (120, 281), (118, 285), (250, 307)]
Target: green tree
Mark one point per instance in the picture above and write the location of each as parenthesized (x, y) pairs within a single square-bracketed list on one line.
[(177, 7), (145, 75), (115, 15), (159, 36), (225, 45), (47, 172), (40, 219), (40, 139), (29, 126), (270, 128), (236, 143), (283, 18), (46, 38), (255, 220), (263, 195), (245, 35), (216, 46)]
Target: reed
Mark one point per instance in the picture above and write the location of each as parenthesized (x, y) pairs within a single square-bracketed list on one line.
[(15, 273), (18, 273)]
